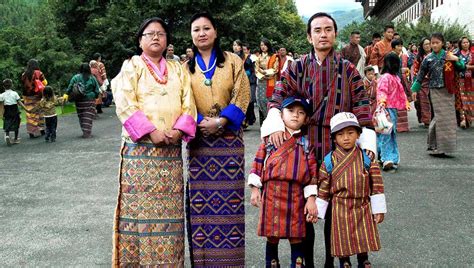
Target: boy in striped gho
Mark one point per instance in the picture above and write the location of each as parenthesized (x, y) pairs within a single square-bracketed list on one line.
[(287, 175), (353, 183)]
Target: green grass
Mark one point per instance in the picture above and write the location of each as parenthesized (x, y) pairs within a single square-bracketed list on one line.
[(68, 108)]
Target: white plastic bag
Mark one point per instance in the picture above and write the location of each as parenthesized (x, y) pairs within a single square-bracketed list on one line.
[(381, 120)]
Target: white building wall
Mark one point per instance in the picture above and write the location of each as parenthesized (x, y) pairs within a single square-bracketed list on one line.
[(462, 10)]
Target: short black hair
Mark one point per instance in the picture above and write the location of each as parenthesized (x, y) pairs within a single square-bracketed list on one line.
[(368, 69), (355, 32), (396, 33), (391, 64), (396, 42), (388, 27), (318, 15), (376, 35), (438, 36), (7, 84), (96, 56)]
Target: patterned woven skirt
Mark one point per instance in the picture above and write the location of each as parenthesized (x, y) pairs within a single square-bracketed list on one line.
[(402, 123), (465, 98), (149, 218), (261, 96), (86, 112), (34, 121), (215, 201), (442, 130), (423, 104)]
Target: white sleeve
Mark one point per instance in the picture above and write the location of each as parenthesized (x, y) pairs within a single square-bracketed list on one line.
[(377, 201), (310, 190), (272, 123), (368, 140), (254, 180), (322, 206)]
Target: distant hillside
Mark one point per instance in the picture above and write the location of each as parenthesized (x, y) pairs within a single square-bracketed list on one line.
[(344, 17)]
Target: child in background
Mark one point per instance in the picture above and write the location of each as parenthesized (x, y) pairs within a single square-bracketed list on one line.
[(353, 183), (11, 115), (390, 95), (370, 85), (288, 176), (47, 106)]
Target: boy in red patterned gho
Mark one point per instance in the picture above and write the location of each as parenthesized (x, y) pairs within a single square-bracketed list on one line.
[(353, 183), (283, 182)]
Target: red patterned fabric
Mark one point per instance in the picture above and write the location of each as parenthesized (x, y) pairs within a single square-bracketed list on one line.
[(332, 87), (282, 209)]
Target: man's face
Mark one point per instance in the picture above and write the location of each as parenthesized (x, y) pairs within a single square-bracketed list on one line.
[(282, 52), (375, 40), (170, 51), (322, 35), (355, 39), (189, 53), (388, 34)]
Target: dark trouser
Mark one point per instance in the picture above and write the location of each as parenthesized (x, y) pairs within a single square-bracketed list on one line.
[(308, 246), (250, 114), (327, 237), (51, 125)]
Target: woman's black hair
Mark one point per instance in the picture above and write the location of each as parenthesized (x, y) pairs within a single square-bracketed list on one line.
[(421, 50), (391, 64), (267, 43), (318, 15), (145, 24), (241, 52), (31, 67), (460, 42), (48, 92), (396, 42), (220, 58), (85, 70)]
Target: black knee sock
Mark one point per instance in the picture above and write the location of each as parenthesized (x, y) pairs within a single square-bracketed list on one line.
[(271, 254), (361, 259), (7, 133), (343, 260), (308, 246), (296, 254), (16, 134)]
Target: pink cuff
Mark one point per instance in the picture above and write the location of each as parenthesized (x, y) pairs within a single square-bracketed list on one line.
[(138, 126), (187, 125)]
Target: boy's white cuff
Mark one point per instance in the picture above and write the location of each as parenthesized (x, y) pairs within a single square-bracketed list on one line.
[(322, 206), (377, 201), (272, 123), (254, 180), (310, 190), (368, 140)]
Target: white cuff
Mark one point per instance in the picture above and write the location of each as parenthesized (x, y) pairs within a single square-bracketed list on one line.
[(377, 201), (322, 206), (254, 180), (310, 190), (272, 123), (368, 140)]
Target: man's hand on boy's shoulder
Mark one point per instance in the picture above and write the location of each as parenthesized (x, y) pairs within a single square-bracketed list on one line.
[(277, 138)]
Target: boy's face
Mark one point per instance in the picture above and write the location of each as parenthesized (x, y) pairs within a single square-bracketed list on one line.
[(398, 49), (347, 137), (370, 75), (294, 116), (436, 44)]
